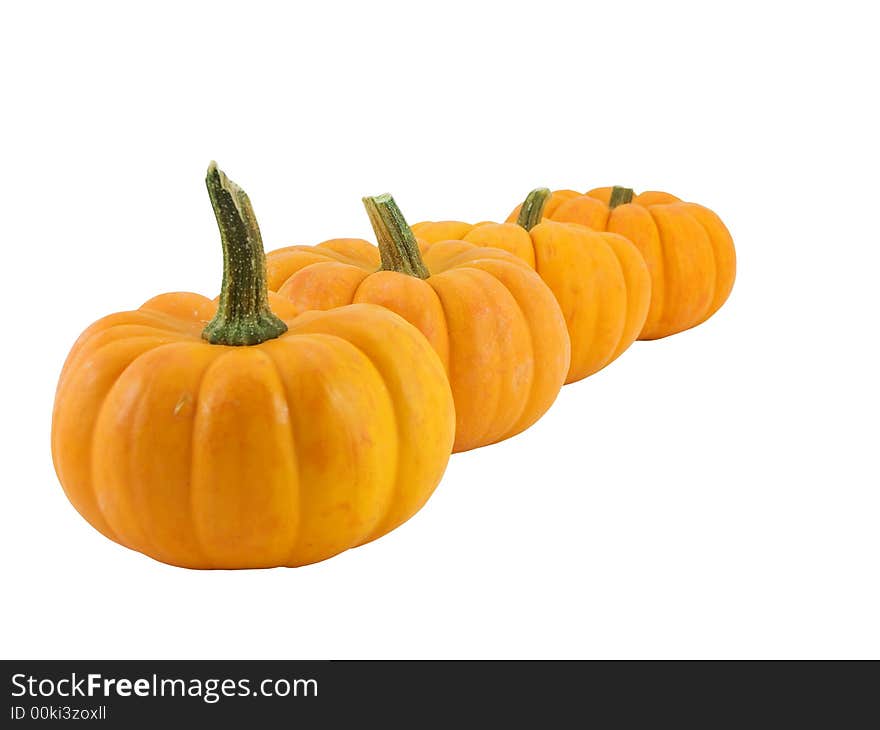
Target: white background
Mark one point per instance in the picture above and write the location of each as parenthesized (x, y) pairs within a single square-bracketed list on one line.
[(713, 494)]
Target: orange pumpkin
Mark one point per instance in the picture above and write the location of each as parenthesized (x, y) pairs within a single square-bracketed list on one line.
[(688, 250), (495, 325), (599, 279), (247, 441)]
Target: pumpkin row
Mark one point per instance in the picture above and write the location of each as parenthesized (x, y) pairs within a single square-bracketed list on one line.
[(314, 405)]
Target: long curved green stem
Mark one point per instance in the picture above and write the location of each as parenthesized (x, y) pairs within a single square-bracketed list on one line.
[(398, 248), (243, 314)]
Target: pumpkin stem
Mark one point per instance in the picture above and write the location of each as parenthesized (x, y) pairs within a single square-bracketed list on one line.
[(532, 209), (398, 248), (620, 196), (243, 315)]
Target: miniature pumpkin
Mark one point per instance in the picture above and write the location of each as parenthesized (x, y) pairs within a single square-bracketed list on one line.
[(688, 250), (493, 322), (247, 441), (599, 279)]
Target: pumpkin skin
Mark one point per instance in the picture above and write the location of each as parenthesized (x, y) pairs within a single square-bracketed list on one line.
[(280, 453), (689, 252), (496, 327), (599, 280)]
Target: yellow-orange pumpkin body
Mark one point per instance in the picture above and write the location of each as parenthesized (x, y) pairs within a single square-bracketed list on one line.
[(496, 327), (688, 250), (599, 280), (277, 454)]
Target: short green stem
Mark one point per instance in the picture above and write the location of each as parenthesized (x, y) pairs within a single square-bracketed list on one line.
[(243, 314), (398, 248), (532, 210), (620, 196)]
